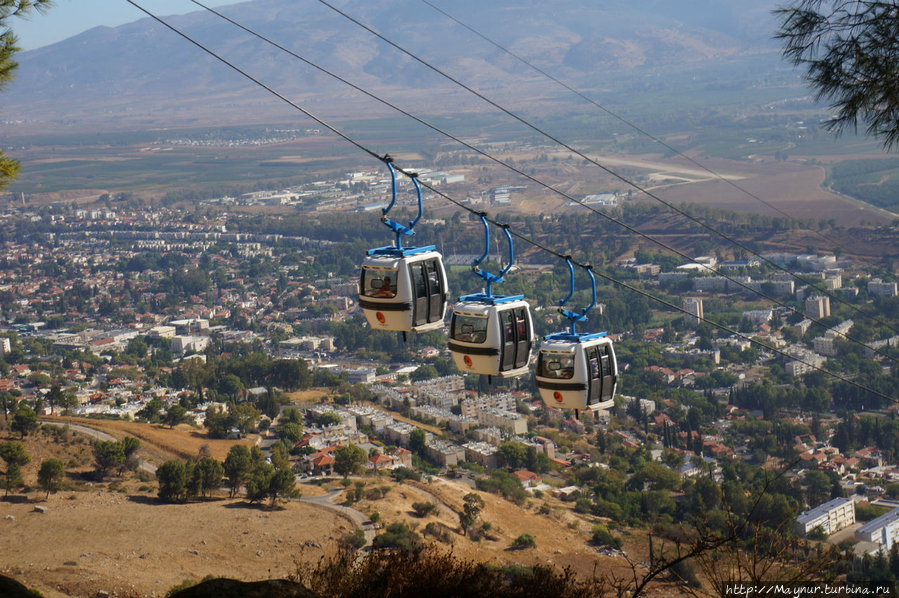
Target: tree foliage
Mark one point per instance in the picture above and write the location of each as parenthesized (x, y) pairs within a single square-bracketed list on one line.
[(174, 480), (849, 50), (24, 421), (206, 476), (349, 459), (472, 505), (268, 483), (51, 475), (108, 455), (239, 466), (15, 456)]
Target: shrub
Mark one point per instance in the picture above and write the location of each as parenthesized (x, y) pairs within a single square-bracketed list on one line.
[(397, 535), (523, 541), (356, 540), (423, 509), (603, 537)]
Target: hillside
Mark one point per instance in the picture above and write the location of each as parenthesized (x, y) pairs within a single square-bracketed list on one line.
[(141, 75), (137, 546)]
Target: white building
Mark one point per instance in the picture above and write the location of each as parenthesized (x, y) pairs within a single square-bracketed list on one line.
[(693, 307), (824, 345), (831, 516), (879, 288), (817, 307), (884, 530), (184, 344)]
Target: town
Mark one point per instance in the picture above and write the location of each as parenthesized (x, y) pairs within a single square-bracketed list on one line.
[(183, 316)]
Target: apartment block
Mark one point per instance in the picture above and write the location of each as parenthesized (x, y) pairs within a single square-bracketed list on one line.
[(831, 516)]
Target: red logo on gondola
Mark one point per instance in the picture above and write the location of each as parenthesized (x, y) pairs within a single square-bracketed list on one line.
[(557, 396), (380, 317), (467, 360)]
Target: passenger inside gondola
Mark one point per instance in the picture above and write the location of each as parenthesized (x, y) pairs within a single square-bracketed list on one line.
[(385, 291)]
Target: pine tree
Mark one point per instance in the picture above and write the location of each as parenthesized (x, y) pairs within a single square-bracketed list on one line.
[(9, 167)]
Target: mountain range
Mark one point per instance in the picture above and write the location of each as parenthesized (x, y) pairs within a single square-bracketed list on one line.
[(144, 76)]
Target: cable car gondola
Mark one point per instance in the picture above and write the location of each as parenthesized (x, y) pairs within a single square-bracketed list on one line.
[(492, 334), (577, 370), (403, 288)]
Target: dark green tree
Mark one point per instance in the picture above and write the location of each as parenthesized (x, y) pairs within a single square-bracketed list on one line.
[(514, 454), (523, 541), (24, 421), (174, 480), (206, 476), (176, 414), (51, 475), (238, 467), (349, 459), (108, 455), (417, 441), (15, 456), (849, 50), (472, 505)]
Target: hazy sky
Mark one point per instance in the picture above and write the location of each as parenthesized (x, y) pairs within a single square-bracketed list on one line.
[(70, 17)]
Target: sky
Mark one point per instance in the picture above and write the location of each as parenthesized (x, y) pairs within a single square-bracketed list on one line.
[(71, 17)]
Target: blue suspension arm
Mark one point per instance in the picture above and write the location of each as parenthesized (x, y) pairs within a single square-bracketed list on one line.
[(489, 277), (398, 229), (572, 316)]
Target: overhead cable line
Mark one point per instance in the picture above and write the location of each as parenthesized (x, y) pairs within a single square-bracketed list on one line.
[(470, 210), (656, 140), (517, 170), (622, 119), (607, 170)]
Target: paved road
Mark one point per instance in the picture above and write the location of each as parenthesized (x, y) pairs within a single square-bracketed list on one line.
[(358, 517)]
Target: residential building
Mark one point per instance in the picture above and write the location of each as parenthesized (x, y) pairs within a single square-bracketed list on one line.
[(693, 307), (444, 453), (824, 345), (804, 361), (831, 516), (482, 453), (817, 307), (884, 530), (500, 418), (879, 288)]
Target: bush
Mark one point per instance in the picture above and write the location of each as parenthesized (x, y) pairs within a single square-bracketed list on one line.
[(434, 572), (523, 541), (423, 509), (404, 473), (397, 535), (439, 531), (356, 540), (603, 537)]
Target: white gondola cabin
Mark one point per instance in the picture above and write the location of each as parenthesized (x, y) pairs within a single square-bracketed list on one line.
[(403, 289), (492, 335), (577, 371)]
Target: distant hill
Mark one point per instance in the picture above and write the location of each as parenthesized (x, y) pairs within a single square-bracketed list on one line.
[(141, 75)]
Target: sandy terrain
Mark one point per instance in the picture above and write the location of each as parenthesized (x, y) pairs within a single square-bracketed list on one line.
[(114, 536), (129, 544)]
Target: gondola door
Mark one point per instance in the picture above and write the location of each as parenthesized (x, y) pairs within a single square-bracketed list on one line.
[(420, 291), (507, 323), (516, 338), (523, 340), (608, 374), (435, 289), (595, 370)]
